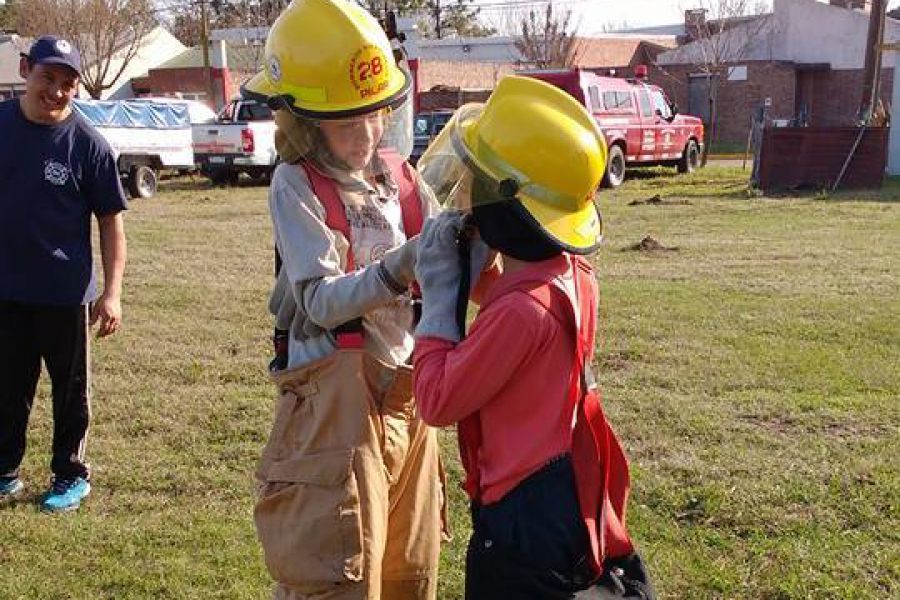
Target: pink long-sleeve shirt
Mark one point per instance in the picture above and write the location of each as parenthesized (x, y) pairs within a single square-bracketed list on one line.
[(513, 369)]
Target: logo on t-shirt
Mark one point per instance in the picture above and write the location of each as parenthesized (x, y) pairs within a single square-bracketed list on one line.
[(55, 172)]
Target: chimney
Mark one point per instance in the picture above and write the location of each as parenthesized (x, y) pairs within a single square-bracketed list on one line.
[(694, 23), (863, 5), (218, 55)]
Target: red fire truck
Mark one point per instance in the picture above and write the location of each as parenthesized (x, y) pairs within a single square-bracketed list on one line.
[(641, 126)]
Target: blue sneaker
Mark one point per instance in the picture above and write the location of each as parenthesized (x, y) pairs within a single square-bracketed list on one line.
[(66, 494), (10, 487)]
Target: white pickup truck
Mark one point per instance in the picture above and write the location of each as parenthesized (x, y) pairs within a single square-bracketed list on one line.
[(146, 137), (242, 140)]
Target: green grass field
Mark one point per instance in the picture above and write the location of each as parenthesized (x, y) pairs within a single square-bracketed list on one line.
[(753, 375)]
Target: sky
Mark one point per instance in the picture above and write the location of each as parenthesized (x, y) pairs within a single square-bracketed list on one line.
[(596, 15)]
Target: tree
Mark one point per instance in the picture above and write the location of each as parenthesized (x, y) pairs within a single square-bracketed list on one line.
[(184, 19), (546, 41), (721, 33), (438, 17), (107, 33), (8, 15)]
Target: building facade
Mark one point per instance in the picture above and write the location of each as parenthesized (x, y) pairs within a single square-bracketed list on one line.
[(804, 62)]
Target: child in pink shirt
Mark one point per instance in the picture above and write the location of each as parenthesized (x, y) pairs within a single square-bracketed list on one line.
[(545, 474)]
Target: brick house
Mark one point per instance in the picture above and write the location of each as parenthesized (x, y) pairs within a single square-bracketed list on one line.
[(805, 56)]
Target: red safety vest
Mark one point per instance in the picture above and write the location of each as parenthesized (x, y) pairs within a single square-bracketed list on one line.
[(326, 190), (601, 469)]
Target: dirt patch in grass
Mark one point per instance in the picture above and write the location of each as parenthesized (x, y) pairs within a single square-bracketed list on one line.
[(615, 361), (649, 244), (657, 200), (829, 427)]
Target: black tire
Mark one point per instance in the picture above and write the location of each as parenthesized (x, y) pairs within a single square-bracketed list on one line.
[(223, 176), (261, 176), (615, 167), (690, 159), (142, 181)]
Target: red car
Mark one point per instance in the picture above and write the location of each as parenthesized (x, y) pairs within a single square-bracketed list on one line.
[(641, 126)]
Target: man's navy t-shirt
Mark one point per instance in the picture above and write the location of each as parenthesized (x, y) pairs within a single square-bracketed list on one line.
[(52, 179)]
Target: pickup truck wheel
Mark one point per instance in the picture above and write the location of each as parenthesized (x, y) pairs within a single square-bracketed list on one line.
[(142, 181), (690, 160), (615, 167), (261, 176), (223, 176)]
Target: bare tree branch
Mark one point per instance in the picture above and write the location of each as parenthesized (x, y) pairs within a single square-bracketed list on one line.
[(548, 40), (722, 33), (107, 33)]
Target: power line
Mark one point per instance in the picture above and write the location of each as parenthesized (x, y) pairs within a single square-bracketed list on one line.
[(521, 3)]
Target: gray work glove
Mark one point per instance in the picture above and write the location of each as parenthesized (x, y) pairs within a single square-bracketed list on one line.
[(438, 273), (397, 265)]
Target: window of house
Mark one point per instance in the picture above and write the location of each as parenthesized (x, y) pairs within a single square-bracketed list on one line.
[(737, 73)]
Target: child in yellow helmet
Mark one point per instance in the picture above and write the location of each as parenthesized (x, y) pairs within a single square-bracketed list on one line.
[(350, 498), (546, 476)]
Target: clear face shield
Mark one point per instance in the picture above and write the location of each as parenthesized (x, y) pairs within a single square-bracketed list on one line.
[(354, 143), (444, 165), (359, 143), (463, 181)]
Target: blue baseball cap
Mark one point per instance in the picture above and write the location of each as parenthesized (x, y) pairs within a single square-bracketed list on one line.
[(50, 50)]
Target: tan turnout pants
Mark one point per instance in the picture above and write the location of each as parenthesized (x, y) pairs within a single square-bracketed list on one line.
[(350, 494)]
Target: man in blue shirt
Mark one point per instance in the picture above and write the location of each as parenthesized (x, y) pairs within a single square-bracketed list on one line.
[(55, 172)]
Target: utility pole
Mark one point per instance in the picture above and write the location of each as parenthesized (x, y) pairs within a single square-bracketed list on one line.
[(437, 18), (204, 40), (872, 73)]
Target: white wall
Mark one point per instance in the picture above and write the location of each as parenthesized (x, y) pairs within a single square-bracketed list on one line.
[(486, 49), (816, 32), (802, 31), (757, 40)]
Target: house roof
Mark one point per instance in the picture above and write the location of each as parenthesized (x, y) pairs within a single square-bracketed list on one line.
[(613, 50), (675, 29), (245, 58), (475, 75)]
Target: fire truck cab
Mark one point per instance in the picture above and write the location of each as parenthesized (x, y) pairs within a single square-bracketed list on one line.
[(641, 126)]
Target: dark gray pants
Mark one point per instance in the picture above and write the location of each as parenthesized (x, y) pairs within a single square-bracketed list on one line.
[(533, 545), (59, 336)]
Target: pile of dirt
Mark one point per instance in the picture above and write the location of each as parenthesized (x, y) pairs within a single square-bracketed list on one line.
[(648, 244)]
